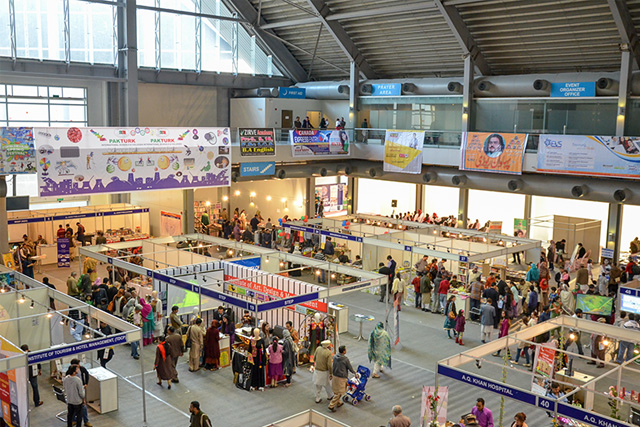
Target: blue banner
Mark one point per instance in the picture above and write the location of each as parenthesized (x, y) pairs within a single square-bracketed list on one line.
[(76, 216), (251, 262), (257, 168), (71, 349), (387, 89), (292, 92), (63, 252), (573, 89), (324, 233), (589, 417), (288, 301)]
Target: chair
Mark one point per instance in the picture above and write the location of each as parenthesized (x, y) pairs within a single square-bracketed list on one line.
[(59, 393)]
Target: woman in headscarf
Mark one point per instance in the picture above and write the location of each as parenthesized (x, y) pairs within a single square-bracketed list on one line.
[(288, 356), (379, 349), (147, 322), (156, 305), (129, 306), (212, 347), (228, 328), (450, 316), (258, 359), (163, 365)]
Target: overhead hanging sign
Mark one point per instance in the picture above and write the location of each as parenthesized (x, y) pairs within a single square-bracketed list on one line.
[(310, 142), (493, 152), (77, 161), (606, 156), (257, 168), (17, 151), (387, 89), (292, 92), (403, 151), (257, 142), (573, 89)]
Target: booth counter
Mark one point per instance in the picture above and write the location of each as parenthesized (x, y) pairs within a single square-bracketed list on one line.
[(102, 390)]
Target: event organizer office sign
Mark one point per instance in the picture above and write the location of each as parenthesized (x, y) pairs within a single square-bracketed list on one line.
[(573, 89), (403, 151), (529, 398), (311, 142), (493, 152), (606, 156), (17, 151), (118, 160), (257, 142)]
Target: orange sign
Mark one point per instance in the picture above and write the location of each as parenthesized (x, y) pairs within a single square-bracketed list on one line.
[(493, 152)]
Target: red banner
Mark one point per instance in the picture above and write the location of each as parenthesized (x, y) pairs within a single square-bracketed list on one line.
[(274, 292)]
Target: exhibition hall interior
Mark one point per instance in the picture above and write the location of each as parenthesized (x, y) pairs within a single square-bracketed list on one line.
[(320, 213)]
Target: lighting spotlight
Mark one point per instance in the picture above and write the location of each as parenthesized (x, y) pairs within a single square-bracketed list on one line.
[(230, 252), (266, 260), (317, 272), (478, 363), (49, 315), (22, 299), (605, 343), (281, 264), (31, 306), (333, 276), (572, 336)]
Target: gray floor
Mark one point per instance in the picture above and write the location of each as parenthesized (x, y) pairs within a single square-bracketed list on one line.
[(423, 343)]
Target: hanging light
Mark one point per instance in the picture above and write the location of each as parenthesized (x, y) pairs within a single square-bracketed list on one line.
[(317, 272), (207, 203), (333, 275), (31, 306), (22, 299), (237, 193), (252, 194), (49, 315), (225, 198), (266, 259), (268, 198), (230, 252), (281, 264)]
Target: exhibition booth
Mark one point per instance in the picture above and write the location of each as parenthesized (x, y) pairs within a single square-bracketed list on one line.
[(307, 419), (57, 328), (587, 395)]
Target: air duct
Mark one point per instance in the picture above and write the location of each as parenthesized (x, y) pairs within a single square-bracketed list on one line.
[(320, 172), (607, 86), (621, 195), (454, 87), (579, 191), (515, 185), (375, 172), (429, 177), (540, 84), (344, 169), (280, 174), (262, 92), (326, 90), (459, 180), (234, 176), (484, 86), (366, 89)]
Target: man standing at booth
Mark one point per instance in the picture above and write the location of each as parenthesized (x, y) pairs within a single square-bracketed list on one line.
[(75, 393), (34, 372)]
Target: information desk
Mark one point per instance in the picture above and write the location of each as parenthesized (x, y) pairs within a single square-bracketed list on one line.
[(341, 313), (579, 379), (50, 253), (102, 390)]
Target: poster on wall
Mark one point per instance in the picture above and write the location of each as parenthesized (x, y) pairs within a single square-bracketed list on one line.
[(606, 156), (520, 227), (311, 142), (170, 224), (17, 151), (403, 151), (115, 160), (63, 252), (13, 392), (493, 152), (333, 197), (257, 142)]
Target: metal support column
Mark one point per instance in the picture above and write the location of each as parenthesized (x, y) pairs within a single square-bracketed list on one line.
[(352, 207), (463, 207), (467, 93), (624, 90), (310, 197), (198, 37), (4, 226), (419, 197), (234, 46), (614, 228), (12, 31), (67, 32), (354, 84), (188, 211), (528, 198), (158, 40), (128, 63)]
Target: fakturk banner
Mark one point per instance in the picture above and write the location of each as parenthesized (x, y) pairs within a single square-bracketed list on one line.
[(17, 151), (493, 152), (257, 142), (311, 142), (75, 161), (605, 156), (403, 151)]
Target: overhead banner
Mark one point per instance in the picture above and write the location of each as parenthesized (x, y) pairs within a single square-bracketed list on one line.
[(77, 161), (311, 142), (257, 142), (493, 152), (17, 151), (170, 224), (606, 156), (403, 151)]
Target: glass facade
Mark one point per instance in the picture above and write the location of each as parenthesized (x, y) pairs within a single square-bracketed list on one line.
[(165, 40)]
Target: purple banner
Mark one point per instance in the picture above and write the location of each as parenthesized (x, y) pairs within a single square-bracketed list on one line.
[(63, 253), (310, 142)]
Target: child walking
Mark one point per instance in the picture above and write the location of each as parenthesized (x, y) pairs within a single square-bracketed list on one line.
[(275, 362), (505, 323), (460, 322)]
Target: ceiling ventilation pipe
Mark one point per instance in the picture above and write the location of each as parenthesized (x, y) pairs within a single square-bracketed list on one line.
[(621, 195), (607, 86), (375, 172), (344, 169), (432, 87), (579, 191), (326, 90), (429, 177), (320, 172), (261, 92), (515, 185), (459, 180)]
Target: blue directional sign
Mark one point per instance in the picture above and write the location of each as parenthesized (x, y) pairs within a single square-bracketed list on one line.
[(573, 89), (292, 92), (257, 168), (386, 89)]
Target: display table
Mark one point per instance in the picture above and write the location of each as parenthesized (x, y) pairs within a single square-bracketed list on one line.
[(361, 318), (225, 351), (462, 301), (38, 259), (50, 254), (102, 390), (341, 313), (579, 379)]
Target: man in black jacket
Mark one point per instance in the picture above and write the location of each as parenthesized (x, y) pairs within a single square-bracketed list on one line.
[(34, 372), (492, 293), (387, 272), (84, 375)]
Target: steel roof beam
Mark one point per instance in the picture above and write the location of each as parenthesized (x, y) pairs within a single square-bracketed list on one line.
[(282, 55), (626, 27), (464, 37), (342, 39)]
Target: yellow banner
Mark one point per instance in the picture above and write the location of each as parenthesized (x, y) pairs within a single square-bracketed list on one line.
[(403, 151)]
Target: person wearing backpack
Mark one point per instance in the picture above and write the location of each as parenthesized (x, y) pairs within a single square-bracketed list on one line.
[(84, 284)]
